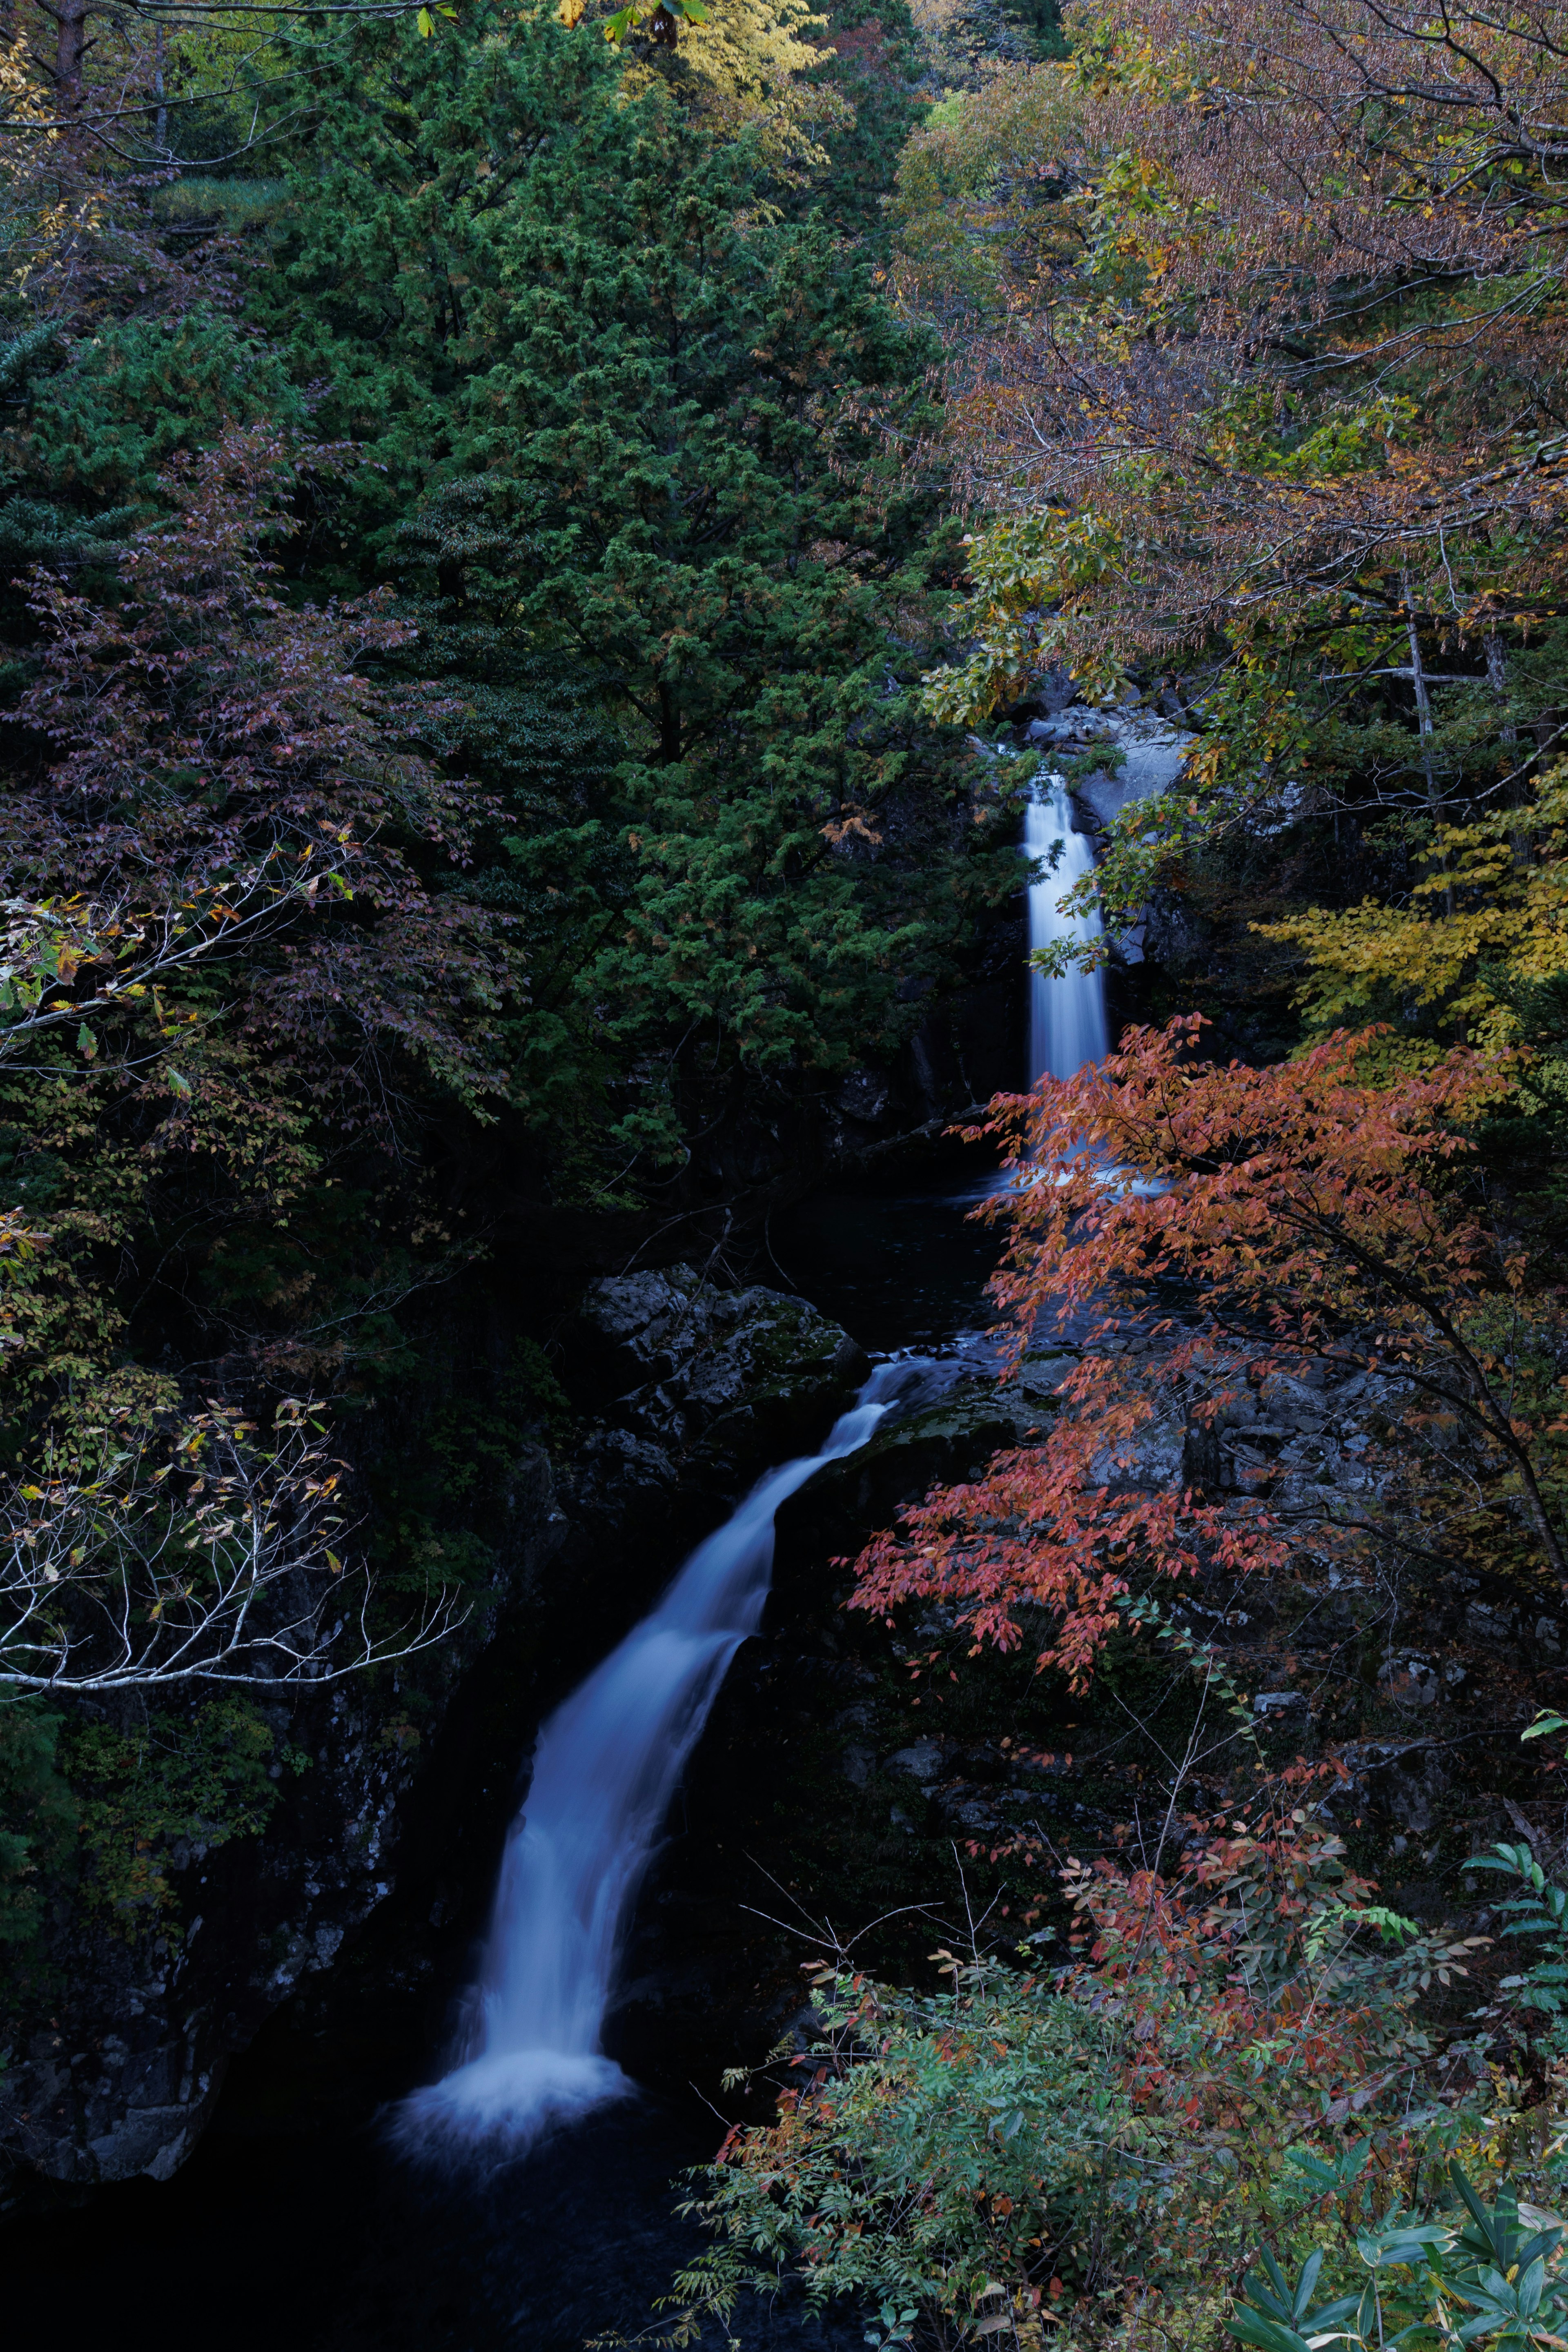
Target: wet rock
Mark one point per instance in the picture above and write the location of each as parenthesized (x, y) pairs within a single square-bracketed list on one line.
[(1146, 752), (740, 1377), (971, 1810), (1173, 935), (830, 1519), (1402, 1781), (922, 1761), (865, 1095), (1490, 1622), (1294, 1399), (611, 1471), (1283, 1707), (1039, 1374), (1411, 1681), (1156, 1456), (149, 2022)]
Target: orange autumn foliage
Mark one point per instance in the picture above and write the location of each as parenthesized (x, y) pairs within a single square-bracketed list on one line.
[(1193, 1227)]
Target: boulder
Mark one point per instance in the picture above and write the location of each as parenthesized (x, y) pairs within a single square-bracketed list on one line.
[(922, 1761), (739, 1378), (1403, 1782), (1284, 1707)]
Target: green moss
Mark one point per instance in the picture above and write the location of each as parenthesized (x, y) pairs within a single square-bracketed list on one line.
[(441, 1493)]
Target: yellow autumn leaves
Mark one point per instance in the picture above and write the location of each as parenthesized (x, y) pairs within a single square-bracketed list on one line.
[(1487, 921)]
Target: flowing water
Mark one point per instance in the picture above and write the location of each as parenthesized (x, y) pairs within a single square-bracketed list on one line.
[(343, 2245), (1066, 1016), (606, 1770)]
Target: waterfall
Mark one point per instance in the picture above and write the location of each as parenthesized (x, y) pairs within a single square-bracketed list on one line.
[(605, 1773), (1066, 1016)]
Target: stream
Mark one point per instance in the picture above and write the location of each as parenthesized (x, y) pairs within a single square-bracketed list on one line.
[(373, 2189)]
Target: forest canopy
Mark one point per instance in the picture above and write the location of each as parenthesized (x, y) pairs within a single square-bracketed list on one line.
[(545, 549)]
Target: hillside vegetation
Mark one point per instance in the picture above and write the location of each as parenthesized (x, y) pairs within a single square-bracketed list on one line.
[(540, 549)]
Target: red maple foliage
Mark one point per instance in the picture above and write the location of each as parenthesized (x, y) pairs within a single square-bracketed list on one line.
[(1195, 1227)]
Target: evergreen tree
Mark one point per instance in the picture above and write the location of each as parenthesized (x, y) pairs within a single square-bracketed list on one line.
[(663, 439)]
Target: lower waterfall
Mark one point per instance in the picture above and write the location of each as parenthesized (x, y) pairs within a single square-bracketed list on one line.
[(605, 1773), (1066, 1016)]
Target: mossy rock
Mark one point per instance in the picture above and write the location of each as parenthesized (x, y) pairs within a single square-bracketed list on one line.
[(726, 1381)]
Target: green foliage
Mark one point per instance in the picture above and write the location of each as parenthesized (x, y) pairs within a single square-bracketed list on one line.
[(978, 214), (129, 396), (442, 1503), (36, 1817), (1043, 2142), (669, 556), (944, 2135), (875, 70), (169, 1789), (1478, 2276), (1540, 1908)]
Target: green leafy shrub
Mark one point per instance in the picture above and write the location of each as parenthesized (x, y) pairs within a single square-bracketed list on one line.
[(1484, 2274), (1035, 2145)]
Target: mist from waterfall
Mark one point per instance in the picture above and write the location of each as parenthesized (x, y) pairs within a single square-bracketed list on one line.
[(1066, 1016), (606, 1770)]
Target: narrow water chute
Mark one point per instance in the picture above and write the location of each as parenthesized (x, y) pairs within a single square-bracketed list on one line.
[(606, 1770), (1066, 1016)]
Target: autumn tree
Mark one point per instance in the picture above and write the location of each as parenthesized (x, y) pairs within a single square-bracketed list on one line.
[(1281, 442), (190, 1548), (1195, 1231), (979, 213), (229, 950), (200, 730), (753, 64)]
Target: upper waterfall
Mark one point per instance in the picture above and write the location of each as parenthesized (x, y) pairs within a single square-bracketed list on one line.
[(1066, 1016)]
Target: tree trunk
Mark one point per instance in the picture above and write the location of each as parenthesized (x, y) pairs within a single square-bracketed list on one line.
[(70, 52), (668, 728), (1423, 698), (1424, 717)]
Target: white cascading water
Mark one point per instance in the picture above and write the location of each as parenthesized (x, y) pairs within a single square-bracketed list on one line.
[(1066, 1016), (605, 1773)]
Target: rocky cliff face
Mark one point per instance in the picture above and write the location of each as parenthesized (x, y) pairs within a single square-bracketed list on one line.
[(1414, 1675), (125, 2022), (123, 2034), (868, 1780)]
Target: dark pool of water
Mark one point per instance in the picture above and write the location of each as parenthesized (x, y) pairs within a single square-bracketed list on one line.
[(324, 2243), (897, 1259)]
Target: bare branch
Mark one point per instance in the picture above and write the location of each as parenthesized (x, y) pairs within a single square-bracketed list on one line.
[(190, 1549)]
